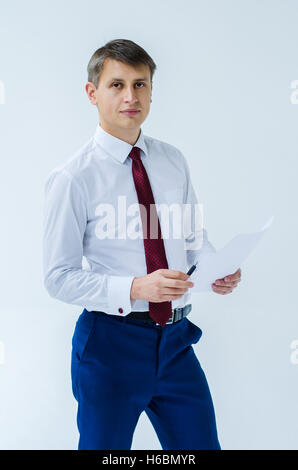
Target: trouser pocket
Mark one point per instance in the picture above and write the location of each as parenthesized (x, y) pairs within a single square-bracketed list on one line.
[(190, 334), (82, 332)]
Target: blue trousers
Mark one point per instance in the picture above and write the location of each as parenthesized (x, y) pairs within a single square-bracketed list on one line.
[(122, 367)]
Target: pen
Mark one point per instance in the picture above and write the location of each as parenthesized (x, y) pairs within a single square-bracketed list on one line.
[(191, 270)]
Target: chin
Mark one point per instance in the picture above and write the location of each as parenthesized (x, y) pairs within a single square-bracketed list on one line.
[(131, 122)]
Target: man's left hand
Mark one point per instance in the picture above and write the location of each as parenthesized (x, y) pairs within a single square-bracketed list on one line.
[(227, 284)]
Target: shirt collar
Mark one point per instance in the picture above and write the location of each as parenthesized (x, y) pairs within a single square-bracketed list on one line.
[(117, 148)]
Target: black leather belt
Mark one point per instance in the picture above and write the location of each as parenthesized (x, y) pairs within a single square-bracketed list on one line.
[(177, 314)]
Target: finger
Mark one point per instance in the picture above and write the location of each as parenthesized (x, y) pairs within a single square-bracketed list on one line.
[(231, 279), (174, 274), (171, 291), (227, 279), (177, 284), (220, 282), (231, 283), (221, 290), (234, 276)]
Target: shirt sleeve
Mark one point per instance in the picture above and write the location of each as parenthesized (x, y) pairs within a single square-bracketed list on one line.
[(64, 224), (196, 236)]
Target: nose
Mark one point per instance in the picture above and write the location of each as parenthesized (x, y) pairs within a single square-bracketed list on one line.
[(130, 95)]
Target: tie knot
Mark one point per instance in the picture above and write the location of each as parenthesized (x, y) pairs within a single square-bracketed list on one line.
[(135, 153)]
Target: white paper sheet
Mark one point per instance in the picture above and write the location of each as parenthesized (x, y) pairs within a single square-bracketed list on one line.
[(212, 266)]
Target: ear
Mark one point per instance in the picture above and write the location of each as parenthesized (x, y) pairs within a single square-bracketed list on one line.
[(90, 90)]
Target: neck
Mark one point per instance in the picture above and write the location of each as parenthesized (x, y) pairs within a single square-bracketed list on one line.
[(128, 135)]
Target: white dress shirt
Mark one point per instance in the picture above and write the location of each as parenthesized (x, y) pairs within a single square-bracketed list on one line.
[(80, 266)]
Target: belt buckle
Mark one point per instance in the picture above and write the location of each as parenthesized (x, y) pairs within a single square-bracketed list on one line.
[(179, 312), (171, 319), (176, 315)]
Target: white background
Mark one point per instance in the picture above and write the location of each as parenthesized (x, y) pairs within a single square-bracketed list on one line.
[(222, 95)]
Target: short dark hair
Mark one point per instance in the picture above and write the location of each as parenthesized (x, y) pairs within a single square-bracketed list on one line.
[(125, 51)]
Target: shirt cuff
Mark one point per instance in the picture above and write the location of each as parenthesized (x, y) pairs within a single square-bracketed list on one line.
[(119, 295)]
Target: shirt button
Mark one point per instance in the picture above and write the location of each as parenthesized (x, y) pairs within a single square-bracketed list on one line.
[(120, 310)]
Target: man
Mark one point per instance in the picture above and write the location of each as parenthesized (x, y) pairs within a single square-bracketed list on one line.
[(132, 344)]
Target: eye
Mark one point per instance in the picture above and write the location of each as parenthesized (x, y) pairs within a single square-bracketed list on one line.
[(138, 83)]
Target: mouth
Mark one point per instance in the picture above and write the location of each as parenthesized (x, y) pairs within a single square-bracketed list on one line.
[(130, 112)]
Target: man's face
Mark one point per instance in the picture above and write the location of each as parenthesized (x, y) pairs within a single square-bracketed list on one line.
[(122, 86)]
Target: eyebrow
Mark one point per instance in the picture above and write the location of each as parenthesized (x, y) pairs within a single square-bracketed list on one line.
[(144, 79)]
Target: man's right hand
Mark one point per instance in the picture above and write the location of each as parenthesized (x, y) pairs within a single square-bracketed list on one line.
[(160, 285)]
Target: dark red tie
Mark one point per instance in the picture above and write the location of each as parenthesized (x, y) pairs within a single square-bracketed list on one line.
[(155, 253)]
